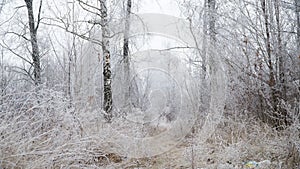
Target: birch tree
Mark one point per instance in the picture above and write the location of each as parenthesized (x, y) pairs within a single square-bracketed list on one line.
[(107, 91)]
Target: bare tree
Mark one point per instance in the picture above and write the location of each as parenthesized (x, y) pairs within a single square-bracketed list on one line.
[(212, 19), (211, 4), (204, 41), (126, 60), (269, 54), (107, 91), (72, 56), (275, 61), (6, 76), (279, 53), (33, 39), (297, 11), (263, 65)]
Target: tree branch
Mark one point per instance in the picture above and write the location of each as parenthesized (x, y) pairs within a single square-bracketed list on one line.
[(39, 16), (24, 37), (12, 51)]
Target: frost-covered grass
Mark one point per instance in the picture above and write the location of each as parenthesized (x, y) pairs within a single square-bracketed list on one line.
[(234, 142), (245, 139), (43, 131)]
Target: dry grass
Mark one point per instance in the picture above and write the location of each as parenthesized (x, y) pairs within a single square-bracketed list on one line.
[(51, 135)]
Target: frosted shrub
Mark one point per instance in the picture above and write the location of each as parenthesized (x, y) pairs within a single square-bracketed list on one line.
[(34, 125)]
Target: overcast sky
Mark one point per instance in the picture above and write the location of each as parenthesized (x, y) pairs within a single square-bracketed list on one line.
[(169, 7)]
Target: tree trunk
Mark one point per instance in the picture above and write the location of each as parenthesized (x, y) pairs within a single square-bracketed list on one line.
[(72, 58), (282, 88), (212, 19), (3, 79), (297, 11), (212, 34), (269, 55), (281, 65), (204, 44), (126, 55), (107, 100), (34, 44)]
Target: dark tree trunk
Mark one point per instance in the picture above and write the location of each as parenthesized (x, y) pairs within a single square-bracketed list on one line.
[(34, 44), (126, 55), (204, 40), (212, 19), (211, 4), (282, 88), (269, 56), (297, 11), (280, 52)]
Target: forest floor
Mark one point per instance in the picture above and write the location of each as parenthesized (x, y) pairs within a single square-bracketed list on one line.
[(65, 141), (235, 141)]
